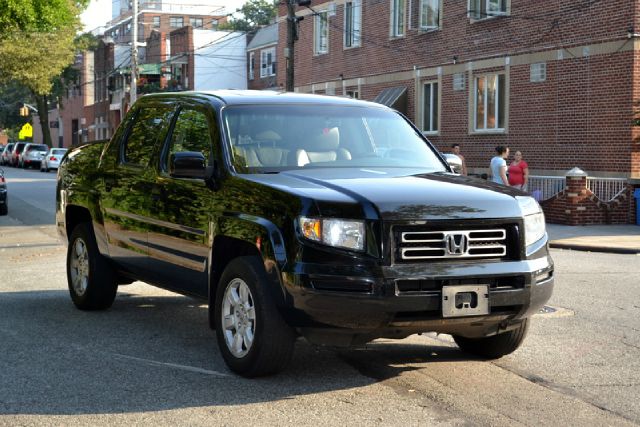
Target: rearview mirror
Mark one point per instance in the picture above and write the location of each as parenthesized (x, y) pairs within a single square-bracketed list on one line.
[(188, 164), (454, 162)]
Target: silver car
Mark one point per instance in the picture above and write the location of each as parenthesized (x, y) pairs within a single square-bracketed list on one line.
[(52, 159), (32, 155)]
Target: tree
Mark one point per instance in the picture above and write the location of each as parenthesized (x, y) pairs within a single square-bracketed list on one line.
[(38, 16), (37, 44), (256, 13)]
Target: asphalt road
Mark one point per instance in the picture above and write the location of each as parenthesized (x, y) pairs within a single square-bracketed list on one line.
[(152, 360)]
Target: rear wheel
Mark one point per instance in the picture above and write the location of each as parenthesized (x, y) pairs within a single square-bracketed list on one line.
[(252, 335), (91, 280), (4, 208), (495, 346)]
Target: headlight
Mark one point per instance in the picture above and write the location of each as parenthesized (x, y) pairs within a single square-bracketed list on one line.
[(534, 224), (334, 232)]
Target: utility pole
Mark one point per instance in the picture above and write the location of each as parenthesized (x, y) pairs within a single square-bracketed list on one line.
[(288, 54), (133, 93)]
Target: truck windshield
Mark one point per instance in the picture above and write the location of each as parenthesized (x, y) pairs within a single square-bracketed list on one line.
[(270, 138)]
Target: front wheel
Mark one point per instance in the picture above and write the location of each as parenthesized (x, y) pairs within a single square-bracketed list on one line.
[(252, 335), (495, 346), (91, 280)]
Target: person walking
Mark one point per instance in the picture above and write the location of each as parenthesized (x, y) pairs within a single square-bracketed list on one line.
[(518, 172), (455, 149), (499, 165)]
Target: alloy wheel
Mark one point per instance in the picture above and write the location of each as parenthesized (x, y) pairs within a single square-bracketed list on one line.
[(79, 264), (238, 318)]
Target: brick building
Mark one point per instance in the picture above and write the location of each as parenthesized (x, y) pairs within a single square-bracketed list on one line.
[(262, 58), (556, 80)]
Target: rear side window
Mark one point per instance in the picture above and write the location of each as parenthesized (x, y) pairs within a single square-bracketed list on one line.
[(149, 127), (40, 147)]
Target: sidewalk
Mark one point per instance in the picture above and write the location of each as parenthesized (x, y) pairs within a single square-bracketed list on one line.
[(622, 239)]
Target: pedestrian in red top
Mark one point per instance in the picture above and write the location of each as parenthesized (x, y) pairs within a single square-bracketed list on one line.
[(518, 172)]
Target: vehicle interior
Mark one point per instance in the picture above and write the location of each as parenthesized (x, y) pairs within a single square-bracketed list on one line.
[(272, 138)]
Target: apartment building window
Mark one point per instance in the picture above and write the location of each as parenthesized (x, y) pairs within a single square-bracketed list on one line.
[(176, 21), (321, 33), (156, 22), (355, 94), (252, 64), (397, 17), (482, 9), (430, 109), (352, 23), (196, 22), (489, 102), (268, 62), (429, 14)]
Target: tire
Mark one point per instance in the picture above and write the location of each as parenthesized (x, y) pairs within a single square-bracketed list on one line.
[(242, 301), (4, 209), (91, 280), (496, 346)]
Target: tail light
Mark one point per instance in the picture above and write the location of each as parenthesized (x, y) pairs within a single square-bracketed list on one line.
[(52, 158), (2, 180)]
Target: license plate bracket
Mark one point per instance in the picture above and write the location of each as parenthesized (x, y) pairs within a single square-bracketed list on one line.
[(465, 300)]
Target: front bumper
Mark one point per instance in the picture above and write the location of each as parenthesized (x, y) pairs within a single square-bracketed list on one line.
[(343, 305)]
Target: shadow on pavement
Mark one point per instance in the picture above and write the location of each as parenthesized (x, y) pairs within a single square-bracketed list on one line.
[(135, 357)]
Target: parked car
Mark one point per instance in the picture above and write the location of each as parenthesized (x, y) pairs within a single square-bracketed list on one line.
[(52, 159), (292, 214), (4, 201), (4, 153), (14, 156), (32, 155)]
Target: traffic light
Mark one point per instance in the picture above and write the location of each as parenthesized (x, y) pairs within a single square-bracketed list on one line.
[(24, 111)]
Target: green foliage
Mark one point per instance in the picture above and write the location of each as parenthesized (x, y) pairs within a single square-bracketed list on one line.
[(12, 97), (256, 13), (41, 16)]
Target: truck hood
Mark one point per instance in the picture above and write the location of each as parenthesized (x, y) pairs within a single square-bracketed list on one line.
[(397, 194)]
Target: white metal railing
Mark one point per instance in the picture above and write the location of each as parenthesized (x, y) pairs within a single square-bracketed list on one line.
[(606, 189), (545, 187)]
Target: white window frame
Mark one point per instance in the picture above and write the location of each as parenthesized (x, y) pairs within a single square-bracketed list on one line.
[(267, 62), (479, 10), (194, 22), (153, 21), (353, 26), (434, 100), (436, 6), (321, 33), (397, 27), (251, 65), (485, 128)]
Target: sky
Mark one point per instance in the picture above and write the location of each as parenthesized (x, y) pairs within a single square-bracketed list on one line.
[(99, 11)]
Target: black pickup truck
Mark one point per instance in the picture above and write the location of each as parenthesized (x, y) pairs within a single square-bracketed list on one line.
[(291, 214)]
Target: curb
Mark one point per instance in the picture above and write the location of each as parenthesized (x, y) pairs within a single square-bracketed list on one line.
[(588, 248)]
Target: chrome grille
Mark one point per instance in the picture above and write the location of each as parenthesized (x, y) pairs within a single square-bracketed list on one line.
[(419, 245)]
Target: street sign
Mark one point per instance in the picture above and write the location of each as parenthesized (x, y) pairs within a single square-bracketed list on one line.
[(26, 131)]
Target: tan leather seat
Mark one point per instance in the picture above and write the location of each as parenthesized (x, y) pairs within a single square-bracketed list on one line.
[(324, 147)]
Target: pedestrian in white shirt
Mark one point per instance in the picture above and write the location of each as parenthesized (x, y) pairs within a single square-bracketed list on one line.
[(499, 165)]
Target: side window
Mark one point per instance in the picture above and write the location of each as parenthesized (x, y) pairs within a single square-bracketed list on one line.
[(149, 127), (190, 133)]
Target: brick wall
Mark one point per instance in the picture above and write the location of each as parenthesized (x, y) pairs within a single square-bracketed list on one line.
[(261, 83), (182, 43), (580, 116), (577, 205)]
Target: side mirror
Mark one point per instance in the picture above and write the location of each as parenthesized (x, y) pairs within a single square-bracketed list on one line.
[(455, 162), (188, 164)]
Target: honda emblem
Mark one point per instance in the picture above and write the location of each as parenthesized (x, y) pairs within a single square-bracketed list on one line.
[(456, 244)]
